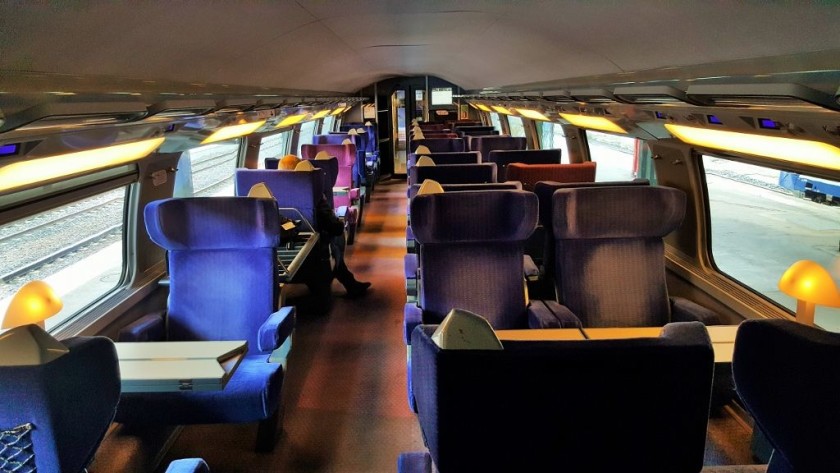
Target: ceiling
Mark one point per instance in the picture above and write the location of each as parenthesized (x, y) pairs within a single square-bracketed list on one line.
[(344, 45)]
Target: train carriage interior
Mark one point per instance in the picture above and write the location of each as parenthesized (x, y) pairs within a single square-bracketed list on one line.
[(599, 236)]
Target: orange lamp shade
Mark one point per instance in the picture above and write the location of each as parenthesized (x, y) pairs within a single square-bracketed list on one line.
[(32, 304), (808, 281)]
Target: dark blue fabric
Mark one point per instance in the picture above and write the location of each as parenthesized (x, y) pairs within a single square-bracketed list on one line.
[(276, 329), (481, 186), (70, 402), (414, 462), (251, 394), (786, 373), (595, 406), (464, 157), (330, 168), (299, 190), (454, 173), (149, 328), (486, 144), (440, 145), (188, 465)]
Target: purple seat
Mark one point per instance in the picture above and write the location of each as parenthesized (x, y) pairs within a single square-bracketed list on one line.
[(440, 145), (333, 139), (531, 156), (464, 157), (346, 202), (232, 243), (486, 144), (595, 406), (530, 174), (609, 255), (453, 173)]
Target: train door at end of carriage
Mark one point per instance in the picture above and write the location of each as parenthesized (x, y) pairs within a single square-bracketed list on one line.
[(398, 131)]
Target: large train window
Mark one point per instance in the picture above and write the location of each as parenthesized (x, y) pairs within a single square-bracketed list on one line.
[(76, 248), (495, 121), (517, 128), (763, 220), (207, 170), (617, 156), (307, 131), (272, 147), (327, 125), (553, 137)]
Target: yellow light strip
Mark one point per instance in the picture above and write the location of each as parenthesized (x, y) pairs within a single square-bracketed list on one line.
[(501, 109), (595, 123), (321, 114), (339, 110), (532, 114), (233, 131), (481, 106), (814, 153), (36, 170), (291, 120)]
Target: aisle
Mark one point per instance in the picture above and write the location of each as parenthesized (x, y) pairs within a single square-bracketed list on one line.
[(345, 394)]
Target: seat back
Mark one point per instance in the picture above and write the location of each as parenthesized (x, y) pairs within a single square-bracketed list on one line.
[(463, 157), (62, 408), (530, 174), (453, 173), (330, 168), (596, 406), (530, 156), (486, 144), (333, 138), (440, 145), (510, 185), (222, 265), (471, 253), (786, 374), (299, 190), (346, 155), (609, 256)]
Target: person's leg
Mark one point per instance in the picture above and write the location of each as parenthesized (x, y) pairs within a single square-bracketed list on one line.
[(342, 273)]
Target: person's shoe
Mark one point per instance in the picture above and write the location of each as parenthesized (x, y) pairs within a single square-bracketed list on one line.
[(357, 289)]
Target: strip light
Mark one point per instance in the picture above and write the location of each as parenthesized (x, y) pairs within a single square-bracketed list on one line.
[(339, 110), (36, 170), (814, 153), (321, 114), (291, 120), (532, 114), (233, 131), (481, 106), (501, 109), (595, 123)]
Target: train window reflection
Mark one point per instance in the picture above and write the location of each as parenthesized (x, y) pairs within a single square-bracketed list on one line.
[(517, 128), (207, 170), (327, 125), (763, 220), (272, 147), (494, 120), (616, 156), (76, 248), (307, 131), (553, 137)]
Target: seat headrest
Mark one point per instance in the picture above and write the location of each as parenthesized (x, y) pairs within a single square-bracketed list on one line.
[(430, 186), (361, 130), (617, 212), (474, 216), (304, 166), (368, 123), (422, 149), (424, 161), (205, 223), (464, 330), (322, 155), (347, 141), (260, 191), (352, 131)]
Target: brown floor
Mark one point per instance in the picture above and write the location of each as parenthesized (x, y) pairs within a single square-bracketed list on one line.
[(346, 408)]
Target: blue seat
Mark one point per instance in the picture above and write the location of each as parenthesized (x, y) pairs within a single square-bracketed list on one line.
[(54, 415), (301, 190), (231, 242), (480, 173), (463, 157), (786, 374), (595, 406)]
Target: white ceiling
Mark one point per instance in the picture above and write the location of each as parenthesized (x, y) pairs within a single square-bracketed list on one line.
[(344, 45)]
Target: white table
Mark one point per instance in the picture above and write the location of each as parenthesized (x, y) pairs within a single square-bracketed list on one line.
[(178, 366)]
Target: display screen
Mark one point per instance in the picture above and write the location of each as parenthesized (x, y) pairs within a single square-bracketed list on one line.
[(9, 150), (768, 124), (714, 120), (442, 96)]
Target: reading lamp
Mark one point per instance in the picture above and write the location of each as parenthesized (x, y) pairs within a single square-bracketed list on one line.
[(27, 343), (810, 284)]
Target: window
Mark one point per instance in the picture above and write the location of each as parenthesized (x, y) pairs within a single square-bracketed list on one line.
[(207, 170), (494, 120), (327, 126), (763, 220), (615, 155), (516, 126), (76, 248), (273, 146), (553, 137), (307, 131)]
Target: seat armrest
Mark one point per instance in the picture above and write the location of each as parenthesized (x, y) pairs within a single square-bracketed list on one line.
[(412, 317), (532, 271), (188, 465), (684, 310), (550, 314), (276, 329), (149, 328)]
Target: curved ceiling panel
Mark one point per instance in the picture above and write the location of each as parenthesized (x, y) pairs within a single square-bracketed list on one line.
[(342, 46)]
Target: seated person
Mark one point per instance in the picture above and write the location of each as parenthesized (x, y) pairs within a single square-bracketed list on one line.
[(332, 231)]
